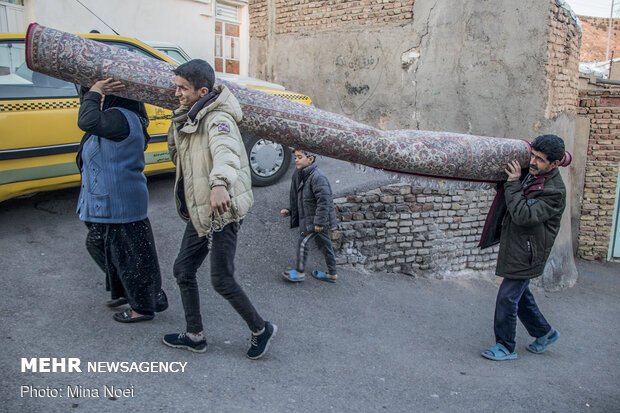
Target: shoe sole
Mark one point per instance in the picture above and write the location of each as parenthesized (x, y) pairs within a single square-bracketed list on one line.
[(194, 350), (275, 330)]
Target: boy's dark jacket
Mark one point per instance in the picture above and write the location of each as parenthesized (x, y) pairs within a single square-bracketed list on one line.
[(311, 201), (525, 221)]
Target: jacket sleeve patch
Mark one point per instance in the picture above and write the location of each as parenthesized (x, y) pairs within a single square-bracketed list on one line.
[(223, 127), (532, 201)]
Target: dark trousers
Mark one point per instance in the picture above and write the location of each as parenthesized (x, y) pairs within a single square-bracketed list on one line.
[(514, 299), (324, 242), (194, 250), (127, 255)]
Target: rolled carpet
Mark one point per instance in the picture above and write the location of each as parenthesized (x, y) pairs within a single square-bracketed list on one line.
[(435, 154)]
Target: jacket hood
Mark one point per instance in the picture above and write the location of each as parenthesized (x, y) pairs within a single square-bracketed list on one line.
[(225, 102)]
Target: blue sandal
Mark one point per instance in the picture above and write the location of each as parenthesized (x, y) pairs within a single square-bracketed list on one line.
[(292, 276), (320, 275), (498, 353), (541, 343)]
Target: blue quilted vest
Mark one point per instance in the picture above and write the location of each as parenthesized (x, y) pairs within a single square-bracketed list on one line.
[(113, 184)]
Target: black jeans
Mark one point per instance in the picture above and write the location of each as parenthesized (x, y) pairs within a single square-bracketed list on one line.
[(324, 242), (514, 299), (194, 250)]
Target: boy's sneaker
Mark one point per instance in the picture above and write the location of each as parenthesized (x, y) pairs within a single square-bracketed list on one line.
[(182, 341), (260, 344)]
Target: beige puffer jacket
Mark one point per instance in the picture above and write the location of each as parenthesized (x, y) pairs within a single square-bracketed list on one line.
[(210, 152)]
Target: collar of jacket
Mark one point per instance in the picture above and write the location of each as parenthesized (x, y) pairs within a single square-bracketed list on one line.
[(305, 173), (186, 119), (537, 183), (203, 102)]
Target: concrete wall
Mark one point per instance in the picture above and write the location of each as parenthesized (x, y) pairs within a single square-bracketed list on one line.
[(159, 20), (347, 57), (497, 68), (578, 167)]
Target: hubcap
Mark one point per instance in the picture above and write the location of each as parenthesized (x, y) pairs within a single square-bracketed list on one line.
[(266, 157)]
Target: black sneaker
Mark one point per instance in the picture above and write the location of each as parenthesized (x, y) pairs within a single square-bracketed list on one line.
[(182, 341), (260, 344)]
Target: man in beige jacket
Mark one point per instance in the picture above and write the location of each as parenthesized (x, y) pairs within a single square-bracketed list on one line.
[(213, 193)]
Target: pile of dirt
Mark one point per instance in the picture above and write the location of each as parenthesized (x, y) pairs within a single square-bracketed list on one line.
[(594, 38)]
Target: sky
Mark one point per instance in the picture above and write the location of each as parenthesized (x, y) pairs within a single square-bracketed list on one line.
[(595, 8)]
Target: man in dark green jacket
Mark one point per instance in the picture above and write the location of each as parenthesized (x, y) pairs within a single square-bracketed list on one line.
[(534, 204)]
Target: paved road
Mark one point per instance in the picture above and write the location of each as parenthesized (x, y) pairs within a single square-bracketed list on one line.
[(373, 342)]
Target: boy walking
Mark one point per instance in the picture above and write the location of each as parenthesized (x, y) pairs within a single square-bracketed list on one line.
[(213, 193), (312, 210)]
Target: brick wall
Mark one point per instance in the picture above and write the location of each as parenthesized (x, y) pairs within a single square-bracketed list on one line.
[(303, 16), (562, 61), (602, 108), (259, 18), (405, 229)]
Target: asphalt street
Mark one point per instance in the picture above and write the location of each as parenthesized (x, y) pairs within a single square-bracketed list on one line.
[(373, 342)]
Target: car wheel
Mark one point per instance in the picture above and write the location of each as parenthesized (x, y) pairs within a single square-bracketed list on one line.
[(269, 161)]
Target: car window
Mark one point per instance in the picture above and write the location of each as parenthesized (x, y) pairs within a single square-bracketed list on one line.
[(19, 82), (174, 55)]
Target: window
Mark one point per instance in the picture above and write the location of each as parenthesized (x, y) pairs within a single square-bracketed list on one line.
[(17, 81), (227, 39), (174, 55), (227, 47)]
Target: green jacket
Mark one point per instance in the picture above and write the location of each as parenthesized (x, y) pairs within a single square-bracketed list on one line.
[(530, 226), (209, 151)]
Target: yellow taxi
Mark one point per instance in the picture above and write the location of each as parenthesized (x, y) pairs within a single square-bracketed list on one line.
[(39, 136)]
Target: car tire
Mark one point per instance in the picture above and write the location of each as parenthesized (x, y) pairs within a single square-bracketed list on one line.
[(269, 161)]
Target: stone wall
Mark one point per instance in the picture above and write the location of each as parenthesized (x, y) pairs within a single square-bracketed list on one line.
[(416, 231), (602, 108)]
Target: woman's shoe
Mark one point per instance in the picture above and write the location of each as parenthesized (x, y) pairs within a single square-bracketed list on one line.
[(125, 317)]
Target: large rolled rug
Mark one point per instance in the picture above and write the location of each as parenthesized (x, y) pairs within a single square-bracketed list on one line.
[(436, 154)]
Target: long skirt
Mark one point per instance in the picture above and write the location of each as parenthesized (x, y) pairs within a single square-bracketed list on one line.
[(127, 255)]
